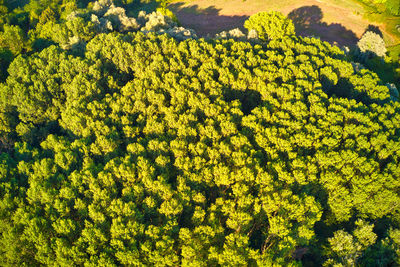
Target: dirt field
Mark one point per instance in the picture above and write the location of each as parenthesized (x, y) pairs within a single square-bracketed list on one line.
[(335, 21)]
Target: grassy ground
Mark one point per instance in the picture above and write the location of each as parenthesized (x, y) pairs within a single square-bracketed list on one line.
[(336, 21)]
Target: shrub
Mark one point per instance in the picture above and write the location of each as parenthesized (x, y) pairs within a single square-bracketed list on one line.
[(371, 42)]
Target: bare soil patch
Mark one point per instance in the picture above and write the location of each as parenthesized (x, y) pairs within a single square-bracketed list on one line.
[(336, 21)]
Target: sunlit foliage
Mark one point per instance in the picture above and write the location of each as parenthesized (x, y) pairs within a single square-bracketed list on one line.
[(145, 150), (270, 25)]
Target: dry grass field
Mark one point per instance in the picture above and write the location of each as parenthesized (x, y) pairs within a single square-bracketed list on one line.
[(335, 21)]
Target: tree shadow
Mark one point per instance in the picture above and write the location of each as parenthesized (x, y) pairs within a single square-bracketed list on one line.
[(136, 6), (308, 22), (374, 29), (206, 21)]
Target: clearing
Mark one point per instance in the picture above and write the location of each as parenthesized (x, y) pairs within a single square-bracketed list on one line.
[(336, 21)]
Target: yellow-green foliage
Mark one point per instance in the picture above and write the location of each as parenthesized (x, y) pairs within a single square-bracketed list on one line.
[(12, 38), (270, 25), (151, 152), (168, 13), (372, 43)]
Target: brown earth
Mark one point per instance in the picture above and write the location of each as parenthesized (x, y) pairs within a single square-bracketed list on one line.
[(333, 21)]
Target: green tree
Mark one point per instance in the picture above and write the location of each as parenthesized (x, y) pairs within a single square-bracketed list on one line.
[(3, 13), (12, 38), (270, 25), (372, 43), (393, 7), (146, 150), (346, 249)]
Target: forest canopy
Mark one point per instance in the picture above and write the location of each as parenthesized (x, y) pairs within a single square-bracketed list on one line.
[(123, 145)]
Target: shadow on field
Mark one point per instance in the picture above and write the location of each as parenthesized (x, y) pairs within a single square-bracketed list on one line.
[(308, 21), (206, 21)]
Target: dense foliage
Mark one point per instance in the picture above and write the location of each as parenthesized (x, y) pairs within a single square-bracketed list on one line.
[(138, 149), (391, 6), (270, 25)]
